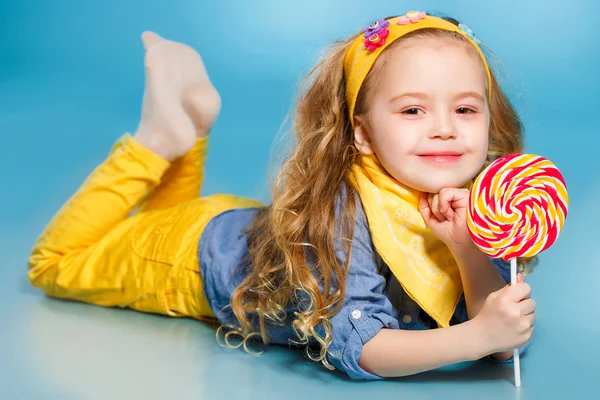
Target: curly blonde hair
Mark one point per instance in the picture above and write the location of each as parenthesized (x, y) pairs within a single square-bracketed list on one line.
[(301, 220)]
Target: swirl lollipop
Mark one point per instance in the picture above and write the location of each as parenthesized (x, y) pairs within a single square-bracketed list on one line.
[(517, 208)]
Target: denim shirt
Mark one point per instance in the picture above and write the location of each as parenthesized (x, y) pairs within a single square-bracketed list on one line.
[(374, 299)]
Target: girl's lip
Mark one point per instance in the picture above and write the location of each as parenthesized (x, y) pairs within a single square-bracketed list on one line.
[(441, 158), (441, 153)]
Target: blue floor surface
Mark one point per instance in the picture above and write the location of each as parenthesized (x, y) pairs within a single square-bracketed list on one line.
[(71, 81)]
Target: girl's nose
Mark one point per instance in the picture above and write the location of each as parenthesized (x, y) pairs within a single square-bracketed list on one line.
[(443, 128)]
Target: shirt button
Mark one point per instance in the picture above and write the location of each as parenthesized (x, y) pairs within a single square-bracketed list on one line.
[(407, 319), (356, 314)]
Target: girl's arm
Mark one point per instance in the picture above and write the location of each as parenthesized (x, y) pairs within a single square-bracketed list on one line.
[(445, 214), (479, 278), (367, 342), (504, 322), (395, 352)]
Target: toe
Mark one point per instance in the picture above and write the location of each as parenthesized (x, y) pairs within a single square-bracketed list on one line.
[(149, 38)]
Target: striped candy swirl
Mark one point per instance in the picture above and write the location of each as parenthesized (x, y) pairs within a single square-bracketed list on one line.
[(517, 206)]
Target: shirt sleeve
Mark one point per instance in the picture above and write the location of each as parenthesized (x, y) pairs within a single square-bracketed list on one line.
[(366, 309)]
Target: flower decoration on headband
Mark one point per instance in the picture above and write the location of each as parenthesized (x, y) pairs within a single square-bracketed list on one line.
[(376, 33), (469, 32), (411, 16)]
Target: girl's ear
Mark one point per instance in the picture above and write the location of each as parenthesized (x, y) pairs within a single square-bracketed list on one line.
[(362, 137)]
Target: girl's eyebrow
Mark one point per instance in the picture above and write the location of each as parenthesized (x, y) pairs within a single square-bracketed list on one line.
[(476, 95), (417, 95), (425, 96)]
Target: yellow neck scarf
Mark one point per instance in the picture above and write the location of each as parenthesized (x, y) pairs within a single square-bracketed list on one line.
[(420, 261)]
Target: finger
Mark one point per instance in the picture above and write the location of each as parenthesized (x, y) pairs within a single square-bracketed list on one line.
[(529, 331), (527, 306), (446, 197), (424, 208), (529, 320), (456, 197), (460, 198), (519, 291), (520, 278), (149, 38), (434, 201)]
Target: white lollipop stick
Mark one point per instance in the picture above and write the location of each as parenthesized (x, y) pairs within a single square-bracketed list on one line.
[(517, 364)]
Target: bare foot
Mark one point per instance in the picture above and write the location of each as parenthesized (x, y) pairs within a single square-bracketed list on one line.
[(180, 104)]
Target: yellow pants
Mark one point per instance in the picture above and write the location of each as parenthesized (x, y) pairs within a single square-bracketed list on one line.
[(98, 251)]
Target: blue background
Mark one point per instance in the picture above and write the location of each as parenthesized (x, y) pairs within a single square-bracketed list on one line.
[(71, 82)]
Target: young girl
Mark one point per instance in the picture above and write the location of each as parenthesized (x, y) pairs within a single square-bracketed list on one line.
[(364, 254)]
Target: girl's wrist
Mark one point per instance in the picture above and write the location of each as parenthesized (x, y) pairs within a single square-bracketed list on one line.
[(479, 338), (463, 249)]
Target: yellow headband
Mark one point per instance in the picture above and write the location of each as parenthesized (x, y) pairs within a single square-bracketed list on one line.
[(365, 50)]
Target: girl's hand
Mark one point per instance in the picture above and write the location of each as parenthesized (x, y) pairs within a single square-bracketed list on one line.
[(506, 319), (445, 214)]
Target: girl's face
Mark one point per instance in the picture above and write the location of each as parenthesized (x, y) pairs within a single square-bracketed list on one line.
[(428, 119)]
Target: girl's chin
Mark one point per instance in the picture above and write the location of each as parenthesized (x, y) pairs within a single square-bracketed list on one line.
[(435, 187)]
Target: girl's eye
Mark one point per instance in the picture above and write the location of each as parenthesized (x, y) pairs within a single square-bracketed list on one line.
[(412, 111), (465, 110)]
